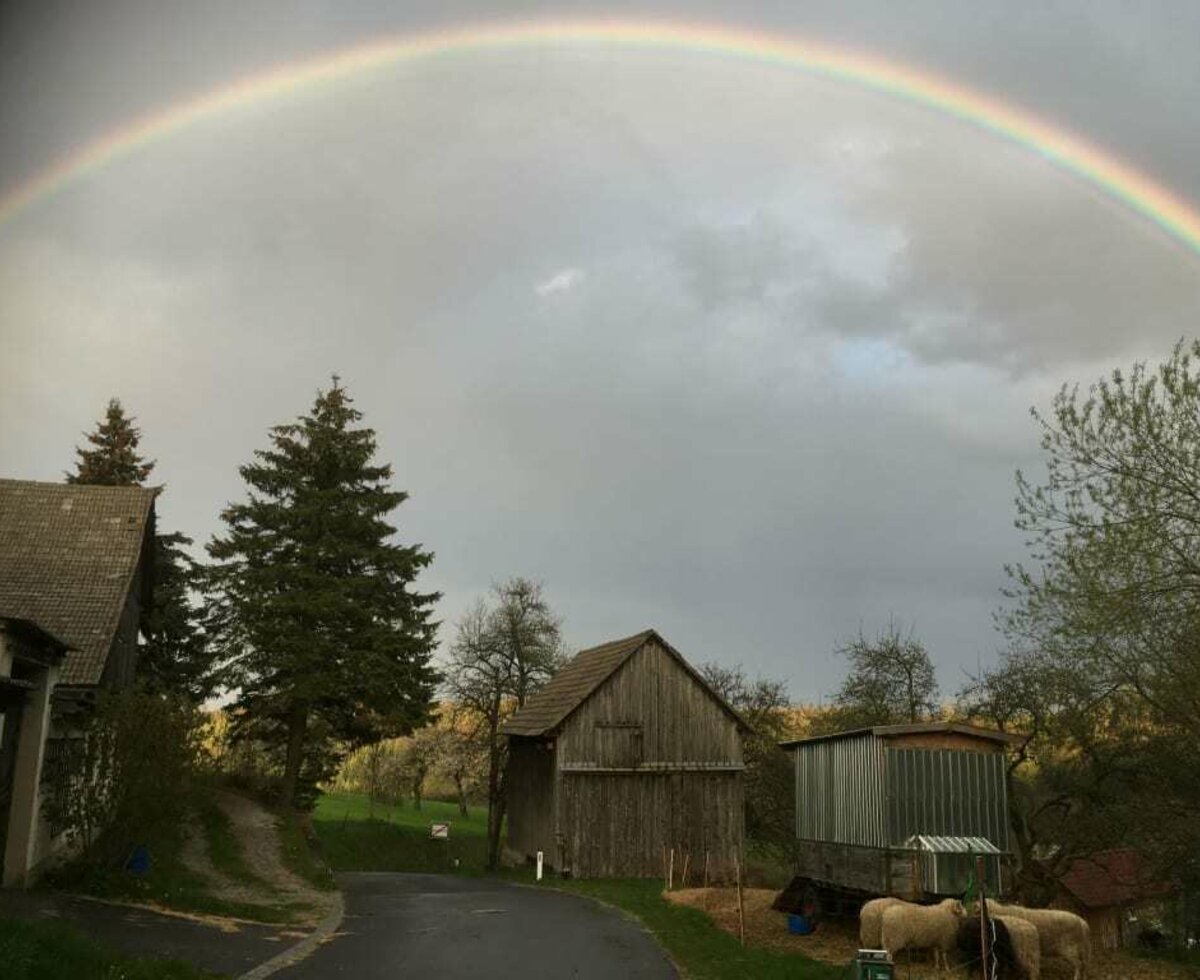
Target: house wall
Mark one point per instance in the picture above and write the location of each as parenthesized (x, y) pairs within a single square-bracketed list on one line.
[(122, 655), (652, 707)]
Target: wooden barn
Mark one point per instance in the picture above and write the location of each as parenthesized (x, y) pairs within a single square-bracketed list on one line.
[(899, 810), (623, 756)]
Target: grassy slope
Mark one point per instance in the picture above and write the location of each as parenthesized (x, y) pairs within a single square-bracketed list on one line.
[(50, 951), (398, 840)]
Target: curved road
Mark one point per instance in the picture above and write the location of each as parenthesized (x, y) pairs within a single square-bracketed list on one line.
[(409, 925)]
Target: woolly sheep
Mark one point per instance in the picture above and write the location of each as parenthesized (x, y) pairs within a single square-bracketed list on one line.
[(870, 921), (1061, 934), (923, 927), (1025, 943)]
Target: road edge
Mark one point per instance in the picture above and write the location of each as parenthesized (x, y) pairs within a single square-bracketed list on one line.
[(294, 954)]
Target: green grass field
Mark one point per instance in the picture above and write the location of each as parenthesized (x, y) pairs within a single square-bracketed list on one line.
[(50, 951), (397, 837)]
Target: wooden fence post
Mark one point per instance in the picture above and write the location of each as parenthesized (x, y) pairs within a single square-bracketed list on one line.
[(687, 857), (737, 870), (671, 871)]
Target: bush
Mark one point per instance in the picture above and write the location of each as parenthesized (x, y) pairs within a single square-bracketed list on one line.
[(127, 778)]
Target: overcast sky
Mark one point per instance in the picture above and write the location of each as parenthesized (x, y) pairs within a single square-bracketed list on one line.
[(705, 345)]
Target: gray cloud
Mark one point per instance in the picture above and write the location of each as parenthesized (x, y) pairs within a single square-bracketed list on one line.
[(711, 346)]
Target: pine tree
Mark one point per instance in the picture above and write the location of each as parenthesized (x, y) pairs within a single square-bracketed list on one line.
[(313, 613), (174, 659), (113, 460)]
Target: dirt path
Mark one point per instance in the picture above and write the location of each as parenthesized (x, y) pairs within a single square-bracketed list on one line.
[(270, 882)]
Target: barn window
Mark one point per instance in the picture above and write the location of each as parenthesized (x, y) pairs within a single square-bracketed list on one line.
[(618, 744)]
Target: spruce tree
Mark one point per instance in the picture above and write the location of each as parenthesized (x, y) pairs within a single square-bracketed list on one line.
[(113, 460), (174, 660), (321, 634)]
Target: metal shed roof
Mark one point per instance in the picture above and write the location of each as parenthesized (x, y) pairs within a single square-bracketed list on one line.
[(891, 731), (952, 845)]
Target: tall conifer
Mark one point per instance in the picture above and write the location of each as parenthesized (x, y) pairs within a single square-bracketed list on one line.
[(113, 460), (322, 636)]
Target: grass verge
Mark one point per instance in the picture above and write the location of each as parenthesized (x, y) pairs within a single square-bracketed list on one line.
[(50, 951), (296, 849), (224, 849)]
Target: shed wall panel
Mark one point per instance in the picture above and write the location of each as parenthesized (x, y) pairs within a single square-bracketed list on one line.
[(530, 784), (624, 825), (840, 791), (948, 793)]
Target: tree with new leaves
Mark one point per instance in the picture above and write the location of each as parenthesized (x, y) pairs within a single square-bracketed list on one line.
[(764, 705), (175, 658), (113, 459), (1110, 600), (891, 680), (501, 655), (324, 639)]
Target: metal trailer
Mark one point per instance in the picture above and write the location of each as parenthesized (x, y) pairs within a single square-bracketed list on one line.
[(898, 810)]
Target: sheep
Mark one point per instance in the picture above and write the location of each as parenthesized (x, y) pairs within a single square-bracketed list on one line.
[(1026, 945), (870, 921), (1002, 953), (922, 927), (1060, 933)]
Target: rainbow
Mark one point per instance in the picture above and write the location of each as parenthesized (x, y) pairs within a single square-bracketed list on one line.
[(1139, 192)]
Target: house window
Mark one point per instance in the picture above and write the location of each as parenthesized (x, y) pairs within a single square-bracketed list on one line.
[(618, 744)]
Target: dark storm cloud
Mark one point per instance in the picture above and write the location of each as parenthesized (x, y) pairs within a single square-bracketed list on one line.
[(705, 345)]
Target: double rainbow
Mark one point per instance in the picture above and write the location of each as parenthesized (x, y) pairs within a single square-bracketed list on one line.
[(1136, 190)]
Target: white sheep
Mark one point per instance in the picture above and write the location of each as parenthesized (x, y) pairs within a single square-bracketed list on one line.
[(1061, 934), (1026, 944), (923, 927), (870, 921)]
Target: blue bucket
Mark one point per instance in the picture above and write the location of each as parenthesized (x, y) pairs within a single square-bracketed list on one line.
[(800, 925)]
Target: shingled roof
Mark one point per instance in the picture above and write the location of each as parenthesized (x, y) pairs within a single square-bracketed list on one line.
[(546, 710), (1117, 877), (68, 554)]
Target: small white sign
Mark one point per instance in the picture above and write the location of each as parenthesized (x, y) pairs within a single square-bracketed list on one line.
[(539, 866), (439, 831)]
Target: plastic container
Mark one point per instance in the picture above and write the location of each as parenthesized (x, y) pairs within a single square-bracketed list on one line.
[(800, 925)]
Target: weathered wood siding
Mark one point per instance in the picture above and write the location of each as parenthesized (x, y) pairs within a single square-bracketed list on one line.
[(652, 708), (531, 788), (624, 824)]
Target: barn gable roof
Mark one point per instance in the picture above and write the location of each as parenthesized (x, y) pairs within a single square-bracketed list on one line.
[(1117, 877), (546, 710), (68, 555)]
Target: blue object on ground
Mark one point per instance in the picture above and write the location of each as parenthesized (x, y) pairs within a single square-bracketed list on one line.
[(800, 925), (139, 860)]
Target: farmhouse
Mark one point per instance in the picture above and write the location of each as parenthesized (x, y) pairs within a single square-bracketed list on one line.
[(898, 810), (1117, 895), (625, 755), (76, 568)]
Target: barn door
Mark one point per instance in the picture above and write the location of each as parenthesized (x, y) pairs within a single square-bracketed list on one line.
[(618, 744)]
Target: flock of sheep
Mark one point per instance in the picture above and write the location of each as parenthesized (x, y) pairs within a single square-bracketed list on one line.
[(1023, 937)]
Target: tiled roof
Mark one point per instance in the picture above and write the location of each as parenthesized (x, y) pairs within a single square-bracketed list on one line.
[(68, 554), (587, 670), (1117, 877)]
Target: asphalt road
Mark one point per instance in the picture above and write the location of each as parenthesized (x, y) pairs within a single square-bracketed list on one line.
[(407, 925)]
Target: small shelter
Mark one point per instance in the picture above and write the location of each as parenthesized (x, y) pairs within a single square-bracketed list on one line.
[(625, 755), (76, 572), (899, 810), (1117, 895)]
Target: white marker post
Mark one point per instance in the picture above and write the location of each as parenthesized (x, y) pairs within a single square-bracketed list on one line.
[(539, 866)]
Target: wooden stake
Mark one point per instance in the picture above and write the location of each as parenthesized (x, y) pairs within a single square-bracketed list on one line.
[(706, 869), (671, 871), (984, 933), (683, 878), (737, 870)]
